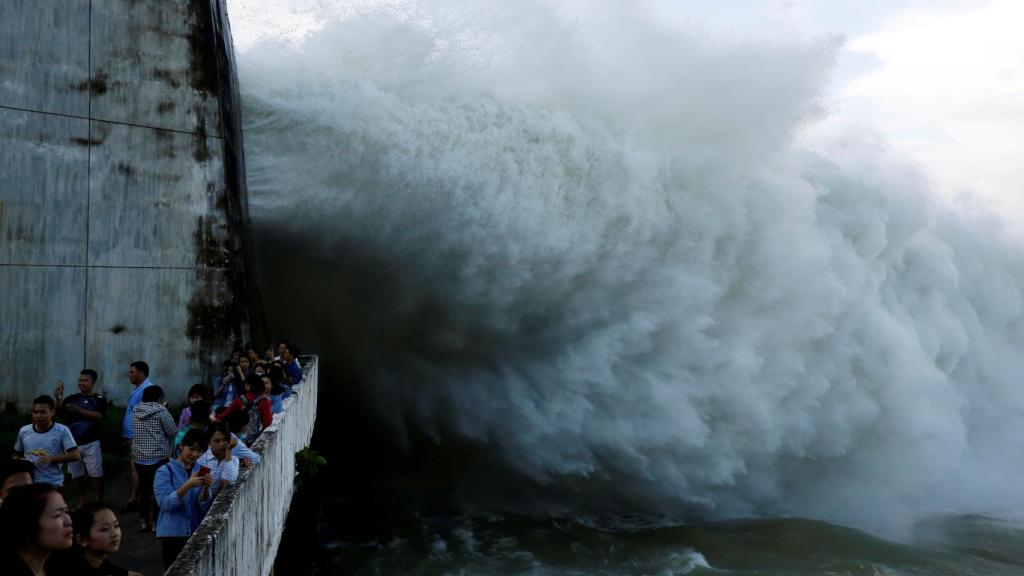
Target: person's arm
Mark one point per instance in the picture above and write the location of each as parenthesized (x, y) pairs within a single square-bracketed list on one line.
[(229, 470), (164, 491), (97, 414), (58, 394), (19, 448), (192, 482), (236, 404), (71, 455), (90, 414), (167, 422), (243, 453)]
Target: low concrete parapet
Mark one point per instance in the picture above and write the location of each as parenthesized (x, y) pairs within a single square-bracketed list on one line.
[(243, 528)]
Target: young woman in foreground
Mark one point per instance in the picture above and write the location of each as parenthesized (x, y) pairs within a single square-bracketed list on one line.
[(34, 523), (97, 536)]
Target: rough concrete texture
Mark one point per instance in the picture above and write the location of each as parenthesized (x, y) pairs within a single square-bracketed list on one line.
[(44, 190), (243, 528), (44, 55), (152, 64), (149, 189), (43, 328), (119, 217)]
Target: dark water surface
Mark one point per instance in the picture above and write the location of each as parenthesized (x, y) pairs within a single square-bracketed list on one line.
[(958, 545)]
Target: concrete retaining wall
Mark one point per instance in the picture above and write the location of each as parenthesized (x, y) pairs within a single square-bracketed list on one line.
[(243, 528), (122, 205)]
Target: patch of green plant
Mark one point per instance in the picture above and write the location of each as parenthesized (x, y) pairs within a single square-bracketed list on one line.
[(308, 463)]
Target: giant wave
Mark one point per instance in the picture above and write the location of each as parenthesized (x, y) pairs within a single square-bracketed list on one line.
[(593, 247)]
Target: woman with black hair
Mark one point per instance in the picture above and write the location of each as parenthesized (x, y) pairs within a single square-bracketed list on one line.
[(97, 536), (182, 491), (34, 523)]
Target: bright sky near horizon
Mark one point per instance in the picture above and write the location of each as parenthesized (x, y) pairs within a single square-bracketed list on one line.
[(940, 81)]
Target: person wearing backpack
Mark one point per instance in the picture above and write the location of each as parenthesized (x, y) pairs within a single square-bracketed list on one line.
[(182, 491), (255, 404)]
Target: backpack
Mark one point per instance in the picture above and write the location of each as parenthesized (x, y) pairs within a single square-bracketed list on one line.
[(254, 426)]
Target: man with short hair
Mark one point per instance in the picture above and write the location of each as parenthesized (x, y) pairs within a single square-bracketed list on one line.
[(138, 376), (46, 443), (291, 364), (84, 412)]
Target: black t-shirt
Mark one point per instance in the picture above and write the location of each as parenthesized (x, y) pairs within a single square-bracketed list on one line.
[(13, 566), (84, 430), (72, 563)]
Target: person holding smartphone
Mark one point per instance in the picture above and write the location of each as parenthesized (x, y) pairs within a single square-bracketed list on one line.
[(226, 389), (218, 457), (182, 491), (83, 412)]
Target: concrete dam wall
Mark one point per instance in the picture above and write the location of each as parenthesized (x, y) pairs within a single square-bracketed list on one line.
[(122, 198)]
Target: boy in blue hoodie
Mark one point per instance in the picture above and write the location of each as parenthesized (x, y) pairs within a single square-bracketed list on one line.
[(183, 494)]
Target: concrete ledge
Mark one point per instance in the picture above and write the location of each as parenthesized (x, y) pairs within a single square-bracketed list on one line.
[(242, 530)]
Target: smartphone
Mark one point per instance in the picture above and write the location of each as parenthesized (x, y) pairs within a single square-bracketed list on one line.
[(203, 471)]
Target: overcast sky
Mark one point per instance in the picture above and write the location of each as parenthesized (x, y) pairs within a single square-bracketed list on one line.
[(942, 81)]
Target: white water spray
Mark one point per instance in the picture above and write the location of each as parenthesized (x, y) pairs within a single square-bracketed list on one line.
[(590, 245)]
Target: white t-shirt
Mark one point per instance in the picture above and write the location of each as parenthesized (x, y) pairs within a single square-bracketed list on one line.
[(54, 442), (226, 470)]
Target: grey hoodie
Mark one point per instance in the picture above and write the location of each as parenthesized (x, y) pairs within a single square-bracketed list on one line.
[(154, 428)]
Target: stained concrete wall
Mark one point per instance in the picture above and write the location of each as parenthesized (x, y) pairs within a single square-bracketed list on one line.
[(121, 210), (241, 532)]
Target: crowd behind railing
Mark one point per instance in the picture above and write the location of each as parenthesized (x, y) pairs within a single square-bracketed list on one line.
[(177, 467)]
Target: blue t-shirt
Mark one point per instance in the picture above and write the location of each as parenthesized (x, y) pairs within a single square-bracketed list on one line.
[(84, 429), (54, 442), (127, 427), (294, 371)]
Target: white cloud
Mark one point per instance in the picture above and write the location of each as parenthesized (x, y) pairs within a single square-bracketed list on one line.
[(949, 93)]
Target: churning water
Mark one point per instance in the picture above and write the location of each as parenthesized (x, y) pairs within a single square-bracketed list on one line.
[(585, 260)]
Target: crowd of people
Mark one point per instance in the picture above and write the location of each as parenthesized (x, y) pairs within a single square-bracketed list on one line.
[(177, 467)]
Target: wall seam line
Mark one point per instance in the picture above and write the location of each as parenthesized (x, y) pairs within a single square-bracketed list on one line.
[(115, 122), (88, 196), (109, 266)]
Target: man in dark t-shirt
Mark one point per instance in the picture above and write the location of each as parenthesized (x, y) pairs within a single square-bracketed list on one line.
[(83, 413)]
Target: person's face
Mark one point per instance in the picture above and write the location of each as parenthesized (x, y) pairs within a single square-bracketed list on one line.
[(105, 534), (135, 376), (85, 384), (287, 355), (193, 398), (189, 454), (14, 480), (42, 415), (259, 371), (218, 444), (243, 363), (235, 356), (269, 354), (267, 384), (54, 525)]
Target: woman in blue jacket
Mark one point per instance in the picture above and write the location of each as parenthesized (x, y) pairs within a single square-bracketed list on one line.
[(183, 494)]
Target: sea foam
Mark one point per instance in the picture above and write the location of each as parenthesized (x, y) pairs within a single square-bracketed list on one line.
[(592, 246)]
